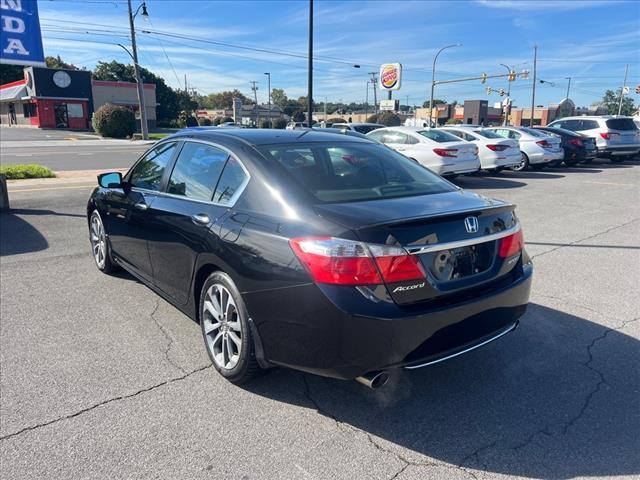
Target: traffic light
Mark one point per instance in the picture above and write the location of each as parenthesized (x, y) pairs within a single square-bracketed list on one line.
[(488, 89), (502, 92), (512, 76), (483, 78), (638, 89)]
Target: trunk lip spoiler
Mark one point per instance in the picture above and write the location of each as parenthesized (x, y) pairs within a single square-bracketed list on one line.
[(436, 247)]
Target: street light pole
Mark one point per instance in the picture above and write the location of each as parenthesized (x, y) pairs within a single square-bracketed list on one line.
[(533, 90), (507, 110), (310, 78), (269, 101), (568, 86), (141, 104), (366, 102), (433, 78), (624, 84), (374, 82)]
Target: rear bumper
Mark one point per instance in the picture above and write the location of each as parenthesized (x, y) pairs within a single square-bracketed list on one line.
[(544, 156), (608, 150), (501, 161), (342, 332)]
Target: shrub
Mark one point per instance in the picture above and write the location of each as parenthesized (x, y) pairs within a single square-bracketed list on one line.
[(114, 121), (389, 119), (191, 121), (264, 124), (217, 121), (19, 172), (279, 123), (204, 121), (333, 120), (372, 119), (298, 116), (227, 119), (454, 121)]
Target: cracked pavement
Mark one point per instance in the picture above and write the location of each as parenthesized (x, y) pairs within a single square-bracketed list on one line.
[(100, 378)]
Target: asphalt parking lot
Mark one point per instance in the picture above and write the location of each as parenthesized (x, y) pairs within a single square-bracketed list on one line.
[(101, 378)]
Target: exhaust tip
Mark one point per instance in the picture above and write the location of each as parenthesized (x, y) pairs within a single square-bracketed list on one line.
[(374, 380)]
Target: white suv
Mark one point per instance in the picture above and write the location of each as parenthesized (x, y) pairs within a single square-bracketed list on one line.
[(617, 138)]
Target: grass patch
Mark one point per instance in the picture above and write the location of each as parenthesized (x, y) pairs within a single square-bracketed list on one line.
[(20, 172), (157, 136)]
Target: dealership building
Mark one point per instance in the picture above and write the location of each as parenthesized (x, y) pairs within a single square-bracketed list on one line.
[(66, 99)]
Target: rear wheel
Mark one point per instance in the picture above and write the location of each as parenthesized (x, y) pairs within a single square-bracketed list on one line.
[(524, 163), (99, 244), (569, 159), (539, 166), (225, 329), (620, 158)]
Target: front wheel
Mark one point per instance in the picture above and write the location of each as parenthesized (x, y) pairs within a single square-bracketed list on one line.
[(99, 244), (524, 163), (225, 328)]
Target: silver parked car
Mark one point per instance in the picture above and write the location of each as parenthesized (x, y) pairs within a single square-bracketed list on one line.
[(536, 148), (617, 138), (363, 128), (496, 153)]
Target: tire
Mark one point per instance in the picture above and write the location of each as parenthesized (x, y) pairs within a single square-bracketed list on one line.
[(539, 166), (523, 165), (100, 244), (618, 159), (224, 322), (555, 163)]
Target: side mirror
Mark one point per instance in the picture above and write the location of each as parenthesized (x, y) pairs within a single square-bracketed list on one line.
[(110, 180)]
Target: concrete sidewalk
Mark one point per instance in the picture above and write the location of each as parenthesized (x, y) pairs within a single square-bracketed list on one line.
[(72, 143)]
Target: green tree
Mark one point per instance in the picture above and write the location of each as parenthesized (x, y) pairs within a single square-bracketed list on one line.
[(278, 97), (436, 101), (225, 99), (57, 62), (611, 102), (10, 73), (389, 119)]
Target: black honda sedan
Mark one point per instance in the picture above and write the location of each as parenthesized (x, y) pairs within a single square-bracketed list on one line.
[(577, 147), (321, 252)]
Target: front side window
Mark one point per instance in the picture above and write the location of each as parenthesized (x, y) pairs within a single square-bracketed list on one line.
[(534, 133), (351, 172), (197, 171), (587, 125), (377, 135), (148, 172)]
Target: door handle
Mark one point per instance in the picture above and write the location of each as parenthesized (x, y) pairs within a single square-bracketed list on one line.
[(200, 219), (140, 206)]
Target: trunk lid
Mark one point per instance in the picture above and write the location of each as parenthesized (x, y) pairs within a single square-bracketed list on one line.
[(455, 236)]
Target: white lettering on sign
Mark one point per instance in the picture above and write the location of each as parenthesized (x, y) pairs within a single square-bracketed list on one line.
[(15, 5), (13, 25), (15, 46)]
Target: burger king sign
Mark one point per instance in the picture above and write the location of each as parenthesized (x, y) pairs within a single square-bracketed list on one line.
[(390, 76)]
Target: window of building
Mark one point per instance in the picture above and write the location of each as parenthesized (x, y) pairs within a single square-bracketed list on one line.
[(30, 110), (197, 171)]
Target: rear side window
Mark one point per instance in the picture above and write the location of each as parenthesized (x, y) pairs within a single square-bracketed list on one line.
[(487, 133), (534, 133), (395, 137), (365, 128), (438, 136), (621, 124), (352, 172), (377, 135), (148, 172), (197, 171), (231, 182), (587, 125)]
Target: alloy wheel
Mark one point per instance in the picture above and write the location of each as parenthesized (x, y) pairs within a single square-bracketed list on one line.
[(222, 326), (98, 240), (523, 163)]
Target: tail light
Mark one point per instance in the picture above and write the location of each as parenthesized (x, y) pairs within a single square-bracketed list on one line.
[(511, 245), (497, 148), (605, 135), (544, 144), (576, 141), (446, 152), (339, 261)]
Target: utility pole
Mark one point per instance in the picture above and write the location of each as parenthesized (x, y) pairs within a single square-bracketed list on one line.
[(533, 90), (366, 102), (568, 86), (269, 88), (310, 74), (374, 82), (136, 69), (433, 80), (186, 89), (507, 108), (325, 109), (255, 98), (624, 85)]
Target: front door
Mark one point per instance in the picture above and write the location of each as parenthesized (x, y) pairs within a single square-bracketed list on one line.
[(127, 210), (61, 115), (181, 220)]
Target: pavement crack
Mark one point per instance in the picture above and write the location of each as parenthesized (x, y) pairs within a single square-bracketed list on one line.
[(103, 403), (166, 335), (585, 238)]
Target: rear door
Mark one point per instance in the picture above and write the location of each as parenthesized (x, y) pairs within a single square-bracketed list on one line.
[(127, 210), (204, 182)]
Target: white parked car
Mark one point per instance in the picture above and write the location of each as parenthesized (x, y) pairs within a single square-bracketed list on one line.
[(294, 125), (617, 138), (436, 149), (363, 128), (537, 149), (496, 153)]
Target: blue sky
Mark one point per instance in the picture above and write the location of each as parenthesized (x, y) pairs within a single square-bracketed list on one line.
[(590, 41)]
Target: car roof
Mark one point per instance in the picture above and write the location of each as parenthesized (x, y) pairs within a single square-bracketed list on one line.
[(368, 124), (265, 136)]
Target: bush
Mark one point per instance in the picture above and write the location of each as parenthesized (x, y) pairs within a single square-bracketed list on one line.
[(454, 121), (114, 121), (372, 119), (298, 116), (217, 121), (191, 121), (264, 124), (279, 123), (19, 172), (389, 119), (333, 120), (204, 122), (227, 119)]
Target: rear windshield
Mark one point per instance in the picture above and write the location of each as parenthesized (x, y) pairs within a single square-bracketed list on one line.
[(621, 124), (534, 132), (365, 128), (439, 136), (487, 133), (352, 172)]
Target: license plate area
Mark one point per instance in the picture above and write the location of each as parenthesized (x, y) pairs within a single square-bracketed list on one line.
[(459, 263)]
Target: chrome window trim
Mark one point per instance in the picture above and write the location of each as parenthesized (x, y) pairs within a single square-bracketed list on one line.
[(232, 200), (436, 247), (467, 350)]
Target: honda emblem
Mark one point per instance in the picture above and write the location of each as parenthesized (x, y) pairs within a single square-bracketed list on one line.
[(471, 224)]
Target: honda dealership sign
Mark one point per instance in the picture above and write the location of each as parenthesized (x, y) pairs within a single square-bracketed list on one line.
[(390, 76), (21, 40)]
